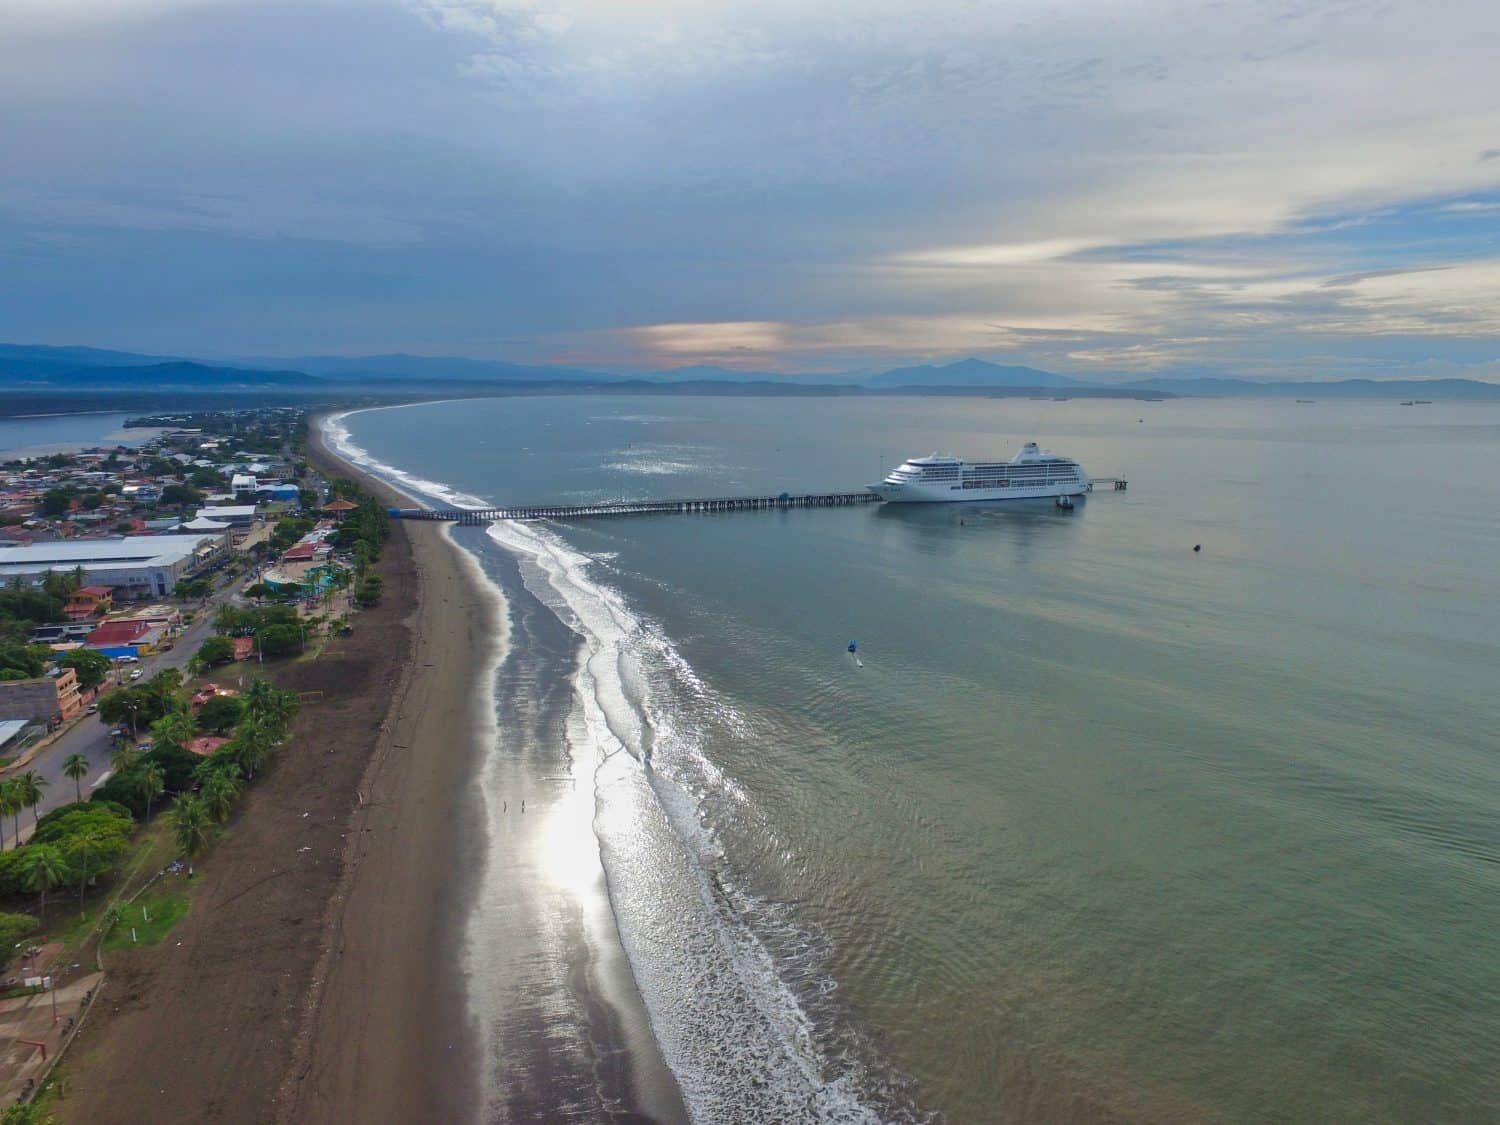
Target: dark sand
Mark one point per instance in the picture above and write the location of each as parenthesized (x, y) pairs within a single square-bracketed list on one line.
[(327, 984)]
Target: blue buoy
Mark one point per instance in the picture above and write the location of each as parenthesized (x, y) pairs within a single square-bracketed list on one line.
[(852, 646)]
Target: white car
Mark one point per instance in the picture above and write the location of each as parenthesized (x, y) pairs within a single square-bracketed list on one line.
[(136, 673)]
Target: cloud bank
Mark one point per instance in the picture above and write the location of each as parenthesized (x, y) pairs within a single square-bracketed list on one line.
[(1289, 188)]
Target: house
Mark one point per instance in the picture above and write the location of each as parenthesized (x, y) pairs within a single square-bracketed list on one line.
[(243, 486), (142, 636), (45, 699), (88, 601), (339, 508)]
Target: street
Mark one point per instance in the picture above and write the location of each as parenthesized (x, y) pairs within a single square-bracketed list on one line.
[(90, 737)]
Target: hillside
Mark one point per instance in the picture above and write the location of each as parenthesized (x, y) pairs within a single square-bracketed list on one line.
[(969, 373)]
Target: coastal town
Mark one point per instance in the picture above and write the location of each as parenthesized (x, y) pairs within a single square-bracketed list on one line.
[(160, 604)]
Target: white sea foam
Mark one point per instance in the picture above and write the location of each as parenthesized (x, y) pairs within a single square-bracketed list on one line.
[(730, 1025), (336, 433), (728, 1019)]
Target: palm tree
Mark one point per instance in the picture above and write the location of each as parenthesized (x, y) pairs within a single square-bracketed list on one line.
[(76, 766), (149, 784), (219, 790), (175, 729), (124, 756), (11, 805), (30, 790), (81, 843), (44, 870), (190, 824), (252, 747)]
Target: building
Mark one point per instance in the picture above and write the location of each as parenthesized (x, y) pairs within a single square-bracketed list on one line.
[(10, 730), (279, 492), (136, 566), (142, 636), (243, 486), (87, 601), (236, 515), (46, 699), (338, 509)]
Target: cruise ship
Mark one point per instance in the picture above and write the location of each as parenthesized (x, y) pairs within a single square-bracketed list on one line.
[(1033, 472)]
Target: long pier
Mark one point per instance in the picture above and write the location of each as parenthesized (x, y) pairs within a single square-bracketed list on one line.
[(637, 507), (661, 507)]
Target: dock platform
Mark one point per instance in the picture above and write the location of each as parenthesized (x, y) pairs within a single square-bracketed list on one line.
[(638, 507)]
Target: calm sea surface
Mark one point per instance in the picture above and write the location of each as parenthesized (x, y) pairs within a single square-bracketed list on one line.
[(38, 436), (1103, 828)]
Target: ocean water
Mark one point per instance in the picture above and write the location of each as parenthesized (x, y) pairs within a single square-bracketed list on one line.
[(1101, 829), (39, 435)]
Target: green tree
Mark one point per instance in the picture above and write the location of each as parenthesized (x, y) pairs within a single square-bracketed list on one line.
[(124, 756), (76, 767), (181, 495), (221, 713), (89, 665), (149, 783), (45, 868), (11, 805), (190, 825), (279, 640), (134, 706), (216, 650), (220, 788), (174, 729), (28, 661), (265, 701), (30, 789), (55, 502)]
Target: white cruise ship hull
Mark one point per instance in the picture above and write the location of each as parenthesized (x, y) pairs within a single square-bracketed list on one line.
[(918, 493), (1032, 474)]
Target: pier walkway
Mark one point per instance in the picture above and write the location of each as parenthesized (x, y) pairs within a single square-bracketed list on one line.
[(656, 507), (637, 507)]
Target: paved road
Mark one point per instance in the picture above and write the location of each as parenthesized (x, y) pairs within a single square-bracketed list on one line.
[(90, 737)]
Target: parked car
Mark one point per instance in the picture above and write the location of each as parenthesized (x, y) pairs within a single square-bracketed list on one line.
[(136, 673), (93, 708), (128, 659)]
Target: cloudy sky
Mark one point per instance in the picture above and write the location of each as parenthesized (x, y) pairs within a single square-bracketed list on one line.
[(1267, 188)]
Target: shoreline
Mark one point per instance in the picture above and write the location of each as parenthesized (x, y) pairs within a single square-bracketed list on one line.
[(505, 1064), (385, 1032)]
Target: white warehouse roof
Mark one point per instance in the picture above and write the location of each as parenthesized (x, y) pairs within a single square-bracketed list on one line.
[(163, 550)]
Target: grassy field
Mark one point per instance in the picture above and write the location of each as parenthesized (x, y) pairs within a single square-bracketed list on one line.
[(150, 916)]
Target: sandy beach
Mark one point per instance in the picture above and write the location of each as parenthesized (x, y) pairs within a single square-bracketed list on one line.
[(321, 973), (389, 1036)]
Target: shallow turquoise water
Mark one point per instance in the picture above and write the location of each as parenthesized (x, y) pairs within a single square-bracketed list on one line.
[(1103, 828)]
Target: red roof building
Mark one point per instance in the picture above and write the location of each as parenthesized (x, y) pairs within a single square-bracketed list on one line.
[(243, 647), (119, 633), (338, 509), (299, 552)]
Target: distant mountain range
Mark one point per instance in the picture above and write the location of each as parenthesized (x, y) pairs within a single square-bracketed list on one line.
[(969, 373), (42, 369)]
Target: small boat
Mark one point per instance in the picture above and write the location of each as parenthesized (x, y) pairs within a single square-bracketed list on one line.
[(1307, 400), (1408, 403)]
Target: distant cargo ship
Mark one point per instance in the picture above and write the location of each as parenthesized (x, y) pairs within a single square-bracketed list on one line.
[(1032, 473)]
